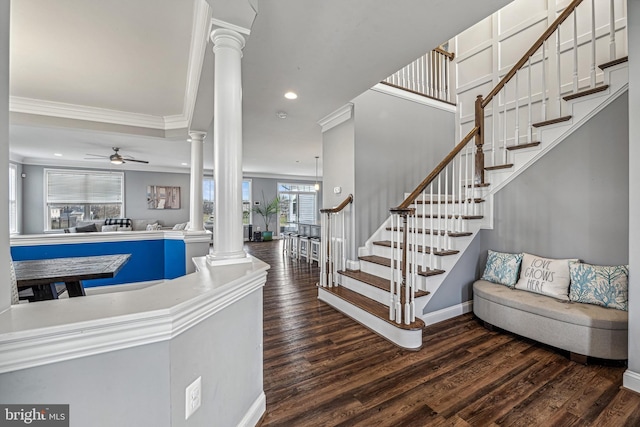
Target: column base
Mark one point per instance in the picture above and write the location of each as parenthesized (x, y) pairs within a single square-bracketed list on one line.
[(228, 258)]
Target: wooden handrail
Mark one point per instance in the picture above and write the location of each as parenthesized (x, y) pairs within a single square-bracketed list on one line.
[(443, 164), (340, 207), (534, 48), (449, 55)]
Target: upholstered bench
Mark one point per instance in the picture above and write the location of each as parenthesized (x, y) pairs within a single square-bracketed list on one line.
[(582, 329)]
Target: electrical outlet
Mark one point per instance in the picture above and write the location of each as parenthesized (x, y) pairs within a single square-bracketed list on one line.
[(193, 397)]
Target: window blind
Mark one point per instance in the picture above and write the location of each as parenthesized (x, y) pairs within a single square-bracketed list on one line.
[(84, 187)]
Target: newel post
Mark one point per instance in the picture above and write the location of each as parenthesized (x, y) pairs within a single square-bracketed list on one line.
[(479, 110)]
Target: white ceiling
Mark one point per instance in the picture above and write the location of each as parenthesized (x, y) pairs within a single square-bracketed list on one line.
[(88, 75)]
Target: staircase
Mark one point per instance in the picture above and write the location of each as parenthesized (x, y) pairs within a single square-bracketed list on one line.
[(410, 256)]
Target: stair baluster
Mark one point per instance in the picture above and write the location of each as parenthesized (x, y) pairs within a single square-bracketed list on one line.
[(333, 243)]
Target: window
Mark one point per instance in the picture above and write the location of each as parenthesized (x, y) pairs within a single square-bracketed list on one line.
[(297, 205), (13, 200), (209, 200), (73, 196)]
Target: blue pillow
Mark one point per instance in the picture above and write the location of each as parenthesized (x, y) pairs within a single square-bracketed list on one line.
[(502, 268), (600, 285)]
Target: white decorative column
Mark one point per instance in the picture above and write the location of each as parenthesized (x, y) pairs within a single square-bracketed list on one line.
[(197, 149), (228, 238)]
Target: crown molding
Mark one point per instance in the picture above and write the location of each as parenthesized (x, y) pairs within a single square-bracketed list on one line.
[(339, 116), (94, 114), (197, 51)]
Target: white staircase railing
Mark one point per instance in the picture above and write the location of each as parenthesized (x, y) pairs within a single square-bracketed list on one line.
[(333, 257), (428, 75)]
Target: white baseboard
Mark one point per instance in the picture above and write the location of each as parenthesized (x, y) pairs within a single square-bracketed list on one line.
[(631, 380), (447, 313), (255, 412)]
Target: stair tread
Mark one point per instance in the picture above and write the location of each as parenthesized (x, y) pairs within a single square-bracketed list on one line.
[(441, 232), (496, 167), (614, 62), (375, 281), (381, 311), (375, 259), (435, 202), (586, 92), (425, 249), (552, 121), (450, 216), (523, 146)]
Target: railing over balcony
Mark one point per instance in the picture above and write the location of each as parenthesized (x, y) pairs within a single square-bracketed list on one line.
[(428, 76), (434, 213), (334, 242)]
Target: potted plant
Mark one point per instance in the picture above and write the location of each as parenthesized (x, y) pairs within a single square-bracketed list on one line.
[(267, 210)]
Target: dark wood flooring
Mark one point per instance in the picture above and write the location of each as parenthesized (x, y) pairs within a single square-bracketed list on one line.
[(323, 369)]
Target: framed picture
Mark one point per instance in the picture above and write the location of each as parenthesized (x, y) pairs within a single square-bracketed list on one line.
[(161, 197)]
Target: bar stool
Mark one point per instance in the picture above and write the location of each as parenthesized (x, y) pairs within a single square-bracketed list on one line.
[(294, 248), (314, 251), (303, 247), (286, 243)]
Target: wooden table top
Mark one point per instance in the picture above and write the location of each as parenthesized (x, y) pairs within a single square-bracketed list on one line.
[(53, 270)]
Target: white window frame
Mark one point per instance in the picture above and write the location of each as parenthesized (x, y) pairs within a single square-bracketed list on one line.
[(13, 199), (248, 180), (47, 219)]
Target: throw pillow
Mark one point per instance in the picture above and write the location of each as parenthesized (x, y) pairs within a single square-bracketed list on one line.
[(545, 276), (153, 227), (502, 268), (87, 228), (109, 228), (607, 286), (180, 226)]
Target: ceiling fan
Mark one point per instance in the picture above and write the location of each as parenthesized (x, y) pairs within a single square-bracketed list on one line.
[(116, 158)]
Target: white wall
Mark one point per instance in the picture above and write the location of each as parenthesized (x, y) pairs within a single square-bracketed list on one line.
[(632, 376), (5, 290)]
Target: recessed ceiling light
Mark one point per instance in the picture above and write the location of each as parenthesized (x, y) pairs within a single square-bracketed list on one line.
[(184, 164), (291, 95), (281, 115), (57, 154)]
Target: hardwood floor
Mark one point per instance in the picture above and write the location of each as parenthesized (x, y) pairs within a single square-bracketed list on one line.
[(323, 369)]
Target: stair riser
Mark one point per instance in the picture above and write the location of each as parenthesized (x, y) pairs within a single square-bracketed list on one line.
[(409, 339), (368, 291)]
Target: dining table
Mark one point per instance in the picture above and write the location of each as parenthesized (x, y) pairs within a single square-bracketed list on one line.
[(42, 275)]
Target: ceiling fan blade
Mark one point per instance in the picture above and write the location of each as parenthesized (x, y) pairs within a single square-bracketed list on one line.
[(99, 156), (137, 161)]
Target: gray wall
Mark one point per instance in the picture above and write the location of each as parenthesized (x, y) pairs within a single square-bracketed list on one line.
[(397, 144), (338, 170), (573, 202), (136, 183), (633, 19)]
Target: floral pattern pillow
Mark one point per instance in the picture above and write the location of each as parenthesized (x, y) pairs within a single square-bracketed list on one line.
[(502, 268), (607, 286)]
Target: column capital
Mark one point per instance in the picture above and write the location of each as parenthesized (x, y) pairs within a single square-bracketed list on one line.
[(200, 136), (224, 37)]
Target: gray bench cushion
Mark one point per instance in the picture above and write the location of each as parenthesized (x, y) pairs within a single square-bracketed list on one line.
[(570, 312), (579, 328)]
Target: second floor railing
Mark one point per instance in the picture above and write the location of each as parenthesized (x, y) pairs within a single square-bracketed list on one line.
[(428, 76)]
